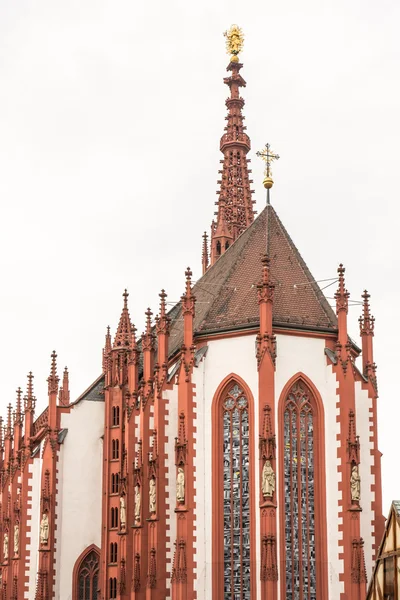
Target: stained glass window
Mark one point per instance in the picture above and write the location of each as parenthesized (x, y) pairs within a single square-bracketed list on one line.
[(299, 495), (88, 577), (236, 495)]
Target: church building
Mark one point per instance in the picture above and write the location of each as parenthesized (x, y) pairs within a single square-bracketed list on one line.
[(230, 452)]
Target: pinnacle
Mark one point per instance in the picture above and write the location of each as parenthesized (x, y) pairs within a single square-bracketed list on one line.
[(53, 377), (124, 332)]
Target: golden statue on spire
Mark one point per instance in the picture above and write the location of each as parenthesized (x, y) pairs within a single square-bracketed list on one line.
[(234, 42), (268, 156)]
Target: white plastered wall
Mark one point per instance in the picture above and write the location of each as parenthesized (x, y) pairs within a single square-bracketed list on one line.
[(233, 355), (306, 355), (35, 468), (363, 406), (79, 489)]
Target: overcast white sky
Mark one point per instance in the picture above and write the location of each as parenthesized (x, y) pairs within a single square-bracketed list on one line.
[(110, 119)]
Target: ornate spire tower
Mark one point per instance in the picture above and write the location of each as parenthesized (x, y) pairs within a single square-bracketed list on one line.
[(235, 206)]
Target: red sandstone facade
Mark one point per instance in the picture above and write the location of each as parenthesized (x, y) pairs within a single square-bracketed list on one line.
[(241, 334)]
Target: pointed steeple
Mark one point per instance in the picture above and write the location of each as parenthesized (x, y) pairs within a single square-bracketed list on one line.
[(9, 421), (204, 257), (53, 378), (18, 409), (367, 326), (342, 306), (235, 210), (29, 404), (63, 398), (29, 398), (124, 332)]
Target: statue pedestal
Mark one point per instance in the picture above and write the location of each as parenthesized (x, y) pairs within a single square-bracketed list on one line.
[(181, 508), (267, 503), (355, 508)]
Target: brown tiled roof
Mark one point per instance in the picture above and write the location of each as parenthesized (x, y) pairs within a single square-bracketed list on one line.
[(226, 295)]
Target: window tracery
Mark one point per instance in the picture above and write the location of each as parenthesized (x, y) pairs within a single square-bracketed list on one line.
[(88, 577), (236, 495), (299, 441)]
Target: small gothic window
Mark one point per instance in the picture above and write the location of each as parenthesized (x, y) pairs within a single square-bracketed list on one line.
[(236, 495), (113, 552), (113, 587), (115, 449), (226, 245), (115, 416), (114, 483), (218, 248), (88, 577), (114, 518)]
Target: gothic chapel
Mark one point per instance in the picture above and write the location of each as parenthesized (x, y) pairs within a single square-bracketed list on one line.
[(230, 451)]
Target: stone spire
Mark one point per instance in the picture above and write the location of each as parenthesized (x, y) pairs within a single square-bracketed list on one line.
[(64, 396), (123, 337), (235, 205)]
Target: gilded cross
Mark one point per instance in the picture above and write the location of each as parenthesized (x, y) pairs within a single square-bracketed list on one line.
[(268, 156)]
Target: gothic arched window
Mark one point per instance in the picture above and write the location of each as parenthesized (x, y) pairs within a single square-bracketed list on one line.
[(86, 575), (301, 497), (115, 416), (113, 587), (232, 485), (115, 449)]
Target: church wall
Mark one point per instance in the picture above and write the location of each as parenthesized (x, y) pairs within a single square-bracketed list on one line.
[(171, 431), (297, 354), (363, 407), (225, 356), (35, 468), (79, 489), (203, 503)]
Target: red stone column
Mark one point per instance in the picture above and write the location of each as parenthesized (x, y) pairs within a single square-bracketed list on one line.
[(120, 366), (25, 499), (157, 533), (143, 474), (348, 453), (46, 572), (266, 354), (367, 326), (184, 562)]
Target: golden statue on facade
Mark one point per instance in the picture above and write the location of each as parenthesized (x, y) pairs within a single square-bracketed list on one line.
[(234, 42)]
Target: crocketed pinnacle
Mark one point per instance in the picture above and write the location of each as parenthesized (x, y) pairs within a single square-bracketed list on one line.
[(29, 398), (53, 377), (235, 205), (367, 322), (204, 257), (18, 411), (123, 337), (342, 295), (64, 389)]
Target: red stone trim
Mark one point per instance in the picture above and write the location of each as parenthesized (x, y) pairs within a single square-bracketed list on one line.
[(217, 486), (320, 486)]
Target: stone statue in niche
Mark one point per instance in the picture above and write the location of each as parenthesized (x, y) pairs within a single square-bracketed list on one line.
[(152, 495), (5, 546), (44, 529), (137, 503), (180, 485), (268, 480), (122, 511), (355, 484), (16, 538)]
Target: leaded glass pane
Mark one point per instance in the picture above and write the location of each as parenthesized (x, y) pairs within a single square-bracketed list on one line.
[(299, 496), (236, 496), (88, 577)]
